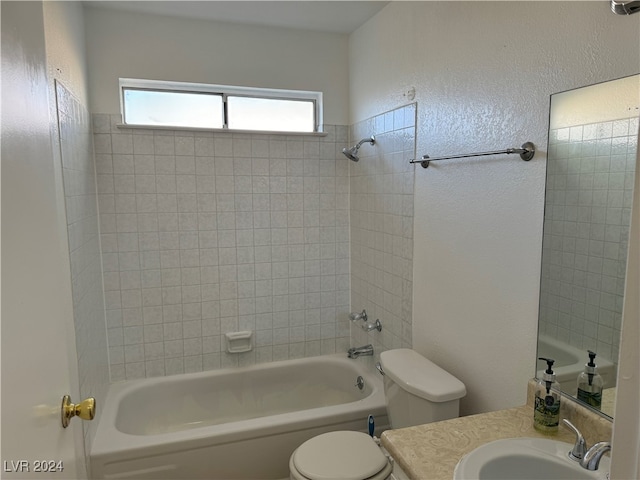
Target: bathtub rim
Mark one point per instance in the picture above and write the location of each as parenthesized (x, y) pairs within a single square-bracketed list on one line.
[(109, 441)]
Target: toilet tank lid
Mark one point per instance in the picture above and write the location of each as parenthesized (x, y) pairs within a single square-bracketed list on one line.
[(420, 376)]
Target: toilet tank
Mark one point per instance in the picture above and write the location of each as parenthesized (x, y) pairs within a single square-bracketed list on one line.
[(417, 390)]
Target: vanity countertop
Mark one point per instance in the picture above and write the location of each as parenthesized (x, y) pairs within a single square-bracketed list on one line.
[(433, 450)]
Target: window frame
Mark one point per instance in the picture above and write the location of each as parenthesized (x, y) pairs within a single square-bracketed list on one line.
[(225, 91)]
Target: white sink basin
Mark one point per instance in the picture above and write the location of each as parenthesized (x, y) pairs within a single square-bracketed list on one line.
[(525, 458)]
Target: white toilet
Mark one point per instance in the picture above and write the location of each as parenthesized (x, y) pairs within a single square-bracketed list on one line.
[(417, 391)]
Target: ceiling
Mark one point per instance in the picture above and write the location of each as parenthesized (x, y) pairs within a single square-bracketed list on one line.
[(322, 16)]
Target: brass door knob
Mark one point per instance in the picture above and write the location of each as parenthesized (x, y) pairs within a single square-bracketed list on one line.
[(86, 409)]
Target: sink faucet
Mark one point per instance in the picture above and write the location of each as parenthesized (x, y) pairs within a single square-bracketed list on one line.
[(587, 458), (591, 459), (355, 352)]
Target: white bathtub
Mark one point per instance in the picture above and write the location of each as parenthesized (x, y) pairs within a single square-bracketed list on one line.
[(569, 363), (237, 423)]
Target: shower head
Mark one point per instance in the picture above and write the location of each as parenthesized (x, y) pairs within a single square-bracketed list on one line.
[(625, 7), (352, 153)]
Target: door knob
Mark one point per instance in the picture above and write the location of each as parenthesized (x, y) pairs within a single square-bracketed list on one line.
[(86, 409)]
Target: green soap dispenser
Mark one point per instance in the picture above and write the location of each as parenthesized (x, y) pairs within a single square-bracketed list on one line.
[(590, 384), (546, 414)]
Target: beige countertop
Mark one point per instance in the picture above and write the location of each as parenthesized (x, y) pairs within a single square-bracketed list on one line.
[(433, 450)]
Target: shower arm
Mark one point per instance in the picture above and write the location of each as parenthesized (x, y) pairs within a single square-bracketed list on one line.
[(371, 140), (625, 7)]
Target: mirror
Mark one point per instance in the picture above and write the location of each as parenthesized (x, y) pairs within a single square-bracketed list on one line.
[(593, 140)]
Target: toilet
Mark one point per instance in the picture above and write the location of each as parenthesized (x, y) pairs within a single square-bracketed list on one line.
[(416, 390)]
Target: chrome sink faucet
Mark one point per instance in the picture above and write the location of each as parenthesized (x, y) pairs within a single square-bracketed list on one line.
[(587, 458), (355, 352), (591, 459)]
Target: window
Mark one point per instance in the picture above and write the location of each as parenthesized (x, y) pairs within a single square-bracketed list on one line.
[(172, 108), (190, 105), (251, 113)]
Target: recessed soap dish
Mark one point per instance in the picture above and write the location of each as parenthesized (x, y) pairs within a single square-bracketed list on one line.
[(239, 342)]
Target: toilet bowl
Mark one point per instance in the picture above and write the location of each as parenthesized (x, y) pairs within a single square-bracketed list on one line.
[(417, 391)]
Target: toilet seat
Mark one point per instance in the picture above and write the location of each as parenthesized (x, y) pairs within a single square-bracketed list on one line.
[(343, 455)]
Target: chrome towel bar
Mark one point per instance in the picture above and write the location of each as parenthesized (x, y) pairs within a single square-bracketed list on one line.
[(527, 152)]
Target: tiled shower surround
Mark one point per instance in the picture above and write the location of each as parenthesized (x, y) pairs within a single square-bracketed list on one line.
[(586, 233), (381, 214), (206, 233)]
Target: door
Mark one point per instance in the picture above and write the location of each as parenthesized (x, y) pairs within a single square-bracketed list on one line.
[(39, 362)]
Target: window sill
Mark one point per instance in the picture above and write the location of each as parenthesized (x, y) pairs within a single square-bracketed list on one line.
[(125, 126)]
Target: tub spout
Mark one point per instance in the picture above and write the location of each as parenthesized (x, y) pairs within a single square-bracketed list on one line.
[(355, 352)]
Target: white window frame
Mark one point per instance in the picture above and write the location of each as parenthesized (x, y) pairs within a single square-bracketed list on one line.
[(224, 91)]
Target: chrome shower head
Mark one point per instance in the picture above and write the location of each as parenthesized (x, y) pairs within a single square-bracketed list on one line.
[(352, 153), (625, 7)]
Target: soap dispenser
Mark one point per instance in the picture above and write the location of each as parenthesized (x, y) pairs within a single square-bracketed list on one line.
[(546, 415), (590, 384)]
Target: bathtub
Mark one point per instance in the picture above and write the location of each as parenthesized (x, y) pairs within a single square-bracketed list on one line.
[(236, 423), (569, 363)]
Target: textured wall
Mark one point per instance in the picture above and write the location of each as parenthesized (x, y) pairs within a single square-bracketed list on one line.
[(483, 73)]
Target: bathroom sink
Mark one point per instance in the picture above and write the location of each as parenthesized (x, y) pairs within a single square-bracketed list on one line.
[(525, 458)]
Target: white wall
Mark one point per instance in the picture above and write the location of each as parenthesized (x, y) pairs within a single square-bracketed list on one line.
[(483, 73), (125, 44), (65, 44)]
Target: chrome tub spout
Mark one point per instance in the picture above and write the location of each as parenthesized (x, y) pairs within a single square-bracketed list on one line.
[(355, 352)]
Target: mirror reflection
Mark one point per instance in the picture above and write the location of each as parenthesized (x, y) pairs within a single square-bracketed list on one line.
[(593, 140)]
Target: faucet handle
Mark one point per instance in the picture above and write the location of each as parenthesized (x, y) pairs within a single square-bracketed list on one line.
[(580, 447), (354, 316)]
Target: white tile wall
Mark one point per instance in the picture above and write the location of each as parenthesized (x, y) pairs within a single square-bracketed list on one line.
[(206, 233), (382, 228), (84, 248), (590, 176)]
